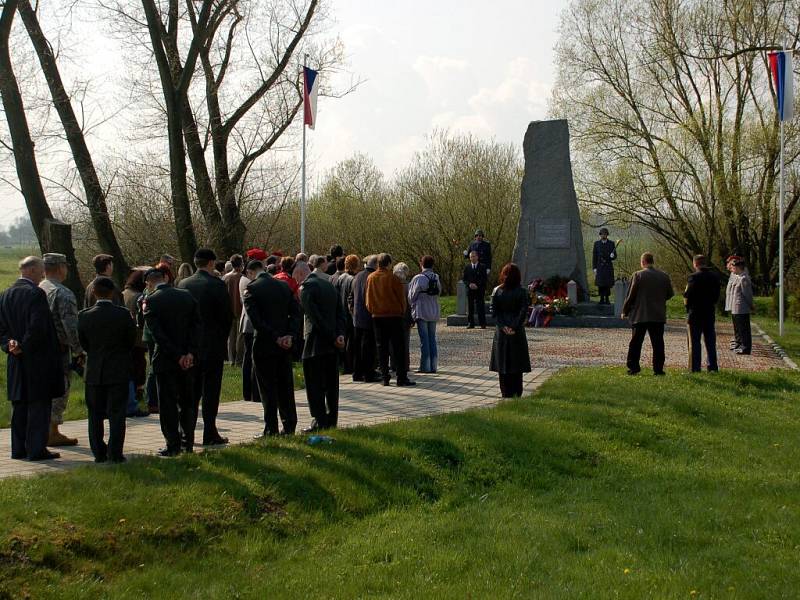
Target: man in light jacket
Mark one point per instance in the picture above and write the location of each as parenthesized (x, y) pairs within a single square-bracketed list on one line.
[(646, 307), (739, 301)]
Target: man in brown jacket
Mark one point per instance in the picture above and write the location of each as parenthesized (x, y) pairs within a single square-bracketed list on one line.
[(386, 302), (646, 307)]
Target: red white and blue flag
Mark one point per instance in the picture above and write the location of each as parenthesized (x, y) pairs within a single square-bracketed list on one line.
[(780, 63), (310, 87)]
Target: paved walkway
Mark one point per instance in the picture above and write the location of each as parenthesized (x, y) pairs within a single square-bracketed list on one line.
[(452, 389)]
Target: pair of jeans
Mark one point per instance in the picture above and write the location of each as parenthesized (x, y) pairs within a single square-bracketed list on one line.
[(702, 327), (656, 332), (429, 354)]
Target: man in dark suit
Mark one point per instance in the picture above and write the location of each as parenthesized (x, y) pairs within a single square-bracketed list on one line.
[(700, 298), (366, 350), (475, 279), (216, 315), (103, 267), (324, 336), (646, 307), (173, 319), (35, 375), (107, 334), (275, 315)]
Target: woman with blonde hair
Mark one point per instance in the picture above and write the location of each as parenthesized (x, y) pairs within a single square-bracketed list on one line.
[(184, 271)]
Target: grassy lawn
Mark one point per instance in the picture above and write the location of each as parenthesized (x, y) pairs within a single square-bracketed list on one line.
[(599, 486)]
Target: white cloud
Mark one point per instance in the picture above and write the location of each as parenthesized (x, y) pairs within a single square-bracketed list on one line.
[(440, 72)]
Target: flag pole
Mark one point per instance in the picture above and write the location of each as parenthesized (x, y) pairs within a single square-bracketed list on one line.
[(780, 245), (303, 173)]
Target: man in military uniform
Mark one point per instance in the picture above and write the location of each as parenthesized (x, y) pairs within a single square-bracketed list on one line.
[(173, 319), (35, 371), (275, 314), (64, 308), (700, 298), (108, 334), (603, 255), (216, 316), (484, 250), (324, 336)]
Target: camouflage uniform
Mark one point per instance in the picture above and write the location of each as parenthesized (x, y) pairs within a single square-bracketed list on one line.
[(64, 308)]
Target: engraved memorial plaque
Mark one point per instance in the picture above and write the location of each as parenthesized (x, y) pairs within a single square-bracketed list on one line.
[(552, 233)]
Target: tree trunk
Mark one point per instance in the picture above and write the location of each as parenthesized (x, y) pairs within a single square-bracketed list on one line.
[(25, 158), (95, 196)]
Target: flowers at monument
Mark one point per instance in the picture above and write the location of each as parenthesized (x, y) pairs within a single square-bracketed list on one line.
[(548, 298)]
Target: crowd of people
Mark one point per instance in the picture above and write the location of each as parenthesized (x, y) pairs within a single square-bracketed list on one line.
[(164, 338)]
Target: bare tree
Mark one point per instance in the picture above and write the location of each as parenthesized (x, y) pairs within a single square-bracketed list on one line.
[(673, 121), (95, 194), (53, 235)]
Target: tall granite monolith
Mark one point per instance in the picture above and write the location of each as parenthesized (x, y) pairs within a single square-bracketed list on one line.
[(549, 239)]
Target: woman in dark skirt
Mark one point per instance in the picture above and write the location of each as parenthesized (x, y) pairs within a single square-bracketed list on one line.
[(510, 357)]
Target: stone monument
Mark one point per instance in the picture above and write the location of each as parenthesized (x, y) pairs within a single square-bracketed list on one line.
[(549, 238)]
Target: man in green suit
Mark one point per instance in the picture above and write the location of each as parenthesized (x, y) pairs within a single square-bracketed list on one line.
[(324, 336), (275, 315), (107, 334), (173, 319), (216, 315)]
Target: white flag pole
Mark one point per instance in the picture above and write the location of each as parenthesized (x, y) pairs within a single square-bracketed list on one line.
[(303, 173), (780, 244)]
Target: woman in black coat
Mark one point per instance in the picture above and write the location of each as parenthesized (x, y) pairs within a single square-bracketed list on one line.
[(510, 357)]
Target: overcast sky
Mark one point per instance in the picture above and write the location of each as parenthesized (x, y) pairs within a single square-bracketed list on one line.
[(469, 65)]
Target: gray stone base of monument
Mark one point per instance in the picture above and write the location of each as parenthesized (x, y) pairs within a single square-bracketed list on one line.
[(462, 321), (620, 292), (591, 314)]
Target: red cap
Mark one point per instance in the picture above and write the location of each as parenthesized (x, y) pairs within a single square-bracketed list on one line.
[(256, 254)]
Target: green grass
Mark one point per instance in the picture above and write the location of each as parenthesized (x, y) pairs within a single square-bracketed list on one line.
[(600, 486), (790, 341), (447, 305)]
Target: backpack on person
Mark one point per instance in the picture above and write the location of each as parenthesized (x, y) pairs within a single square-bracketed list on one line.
[(433, 286)]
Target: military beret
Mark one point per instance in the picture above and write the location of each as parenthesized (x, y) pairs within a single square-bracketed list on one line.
[(478, 232), (205, 254), (54, 258), (256, 254)]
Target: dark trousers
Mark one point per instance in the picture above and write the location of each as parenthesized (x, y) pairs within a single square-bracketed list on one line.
[(604, 291), (151, 388), (475, 298), (106, 402), (348, 355), (390, 332), (510, 384), (177, 408), (656, 333), (364, 354), (30, 428), (276, 388), (742, 333), (207, 387), (249, 384), (322, 388), (702, 327)]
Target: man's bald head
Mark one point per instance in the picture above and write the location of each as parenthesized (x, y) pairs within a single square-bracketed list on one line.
[(32, 267)]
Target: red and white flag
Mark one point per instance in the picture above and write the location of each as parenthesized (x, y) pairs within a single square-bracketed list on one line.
[(310, 87)]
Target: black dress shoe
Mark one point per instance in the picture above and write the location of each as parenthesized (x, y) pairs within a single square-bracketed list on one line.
[(19, 456), (118, 460), (100, 459), (406, 383), (217, 441), (169, 452), (46, 455), (385, 382), (470, 326), (634, 371), (313, 429), (358, 378), (659, 373), (742, 351)]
